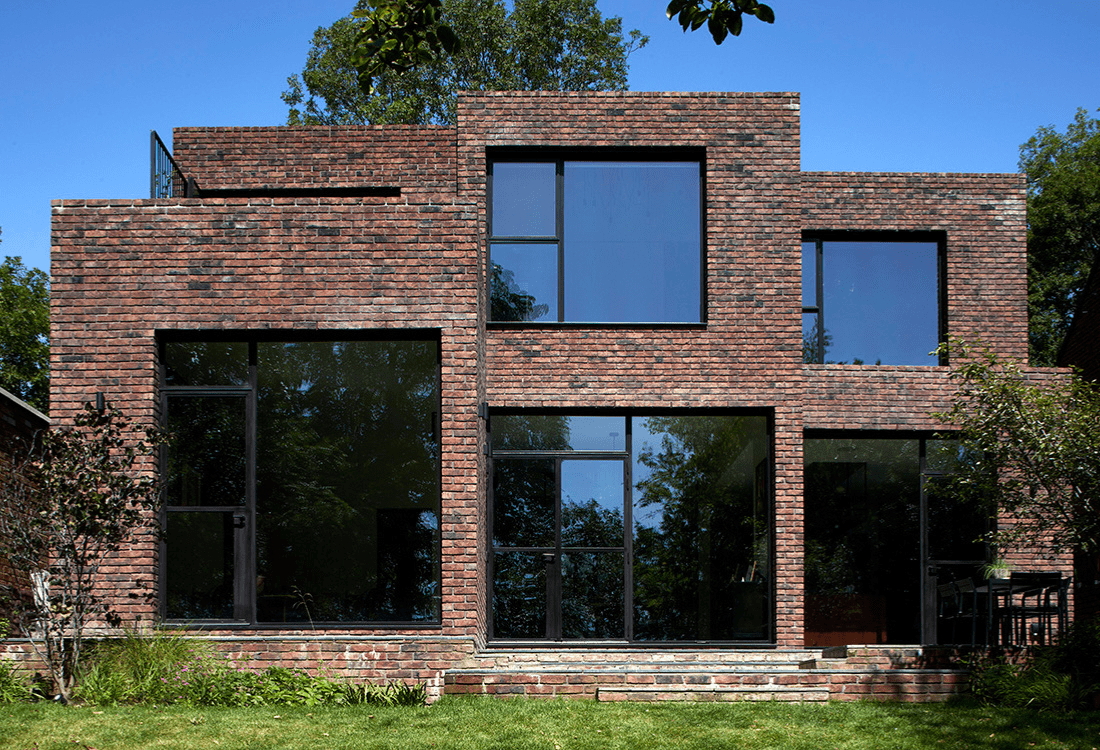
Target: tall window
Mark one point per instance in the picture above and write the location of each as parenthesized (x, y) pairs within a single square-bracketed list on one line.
[(631, 528), (596, 241), (880, 538), (874, 301), (302, 481)]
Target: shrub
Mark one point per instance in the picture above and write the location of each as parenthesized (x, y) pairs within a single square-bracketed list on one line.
[(13, 688), (1057, 678), (164, 668)]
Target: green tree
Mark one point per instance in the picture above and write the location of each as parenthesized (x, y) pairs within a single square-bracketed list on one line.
[(76, 499), (564, 45), (722, 17), (1063, 215), (24, 332), (1030, 449)]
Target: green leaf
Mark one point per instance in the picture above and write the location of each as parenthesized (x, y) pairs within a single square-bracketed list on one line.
[(717, 30), (736, 23), (765, 13)]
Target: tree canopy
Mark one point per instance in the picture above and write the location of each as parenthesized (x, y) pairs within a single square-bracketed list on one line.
[(1063, 215), (559, 45), (1030, 449), (24, 332)]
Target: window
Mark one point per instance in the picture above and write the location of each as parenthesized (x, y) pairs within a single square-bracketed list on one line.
[(871, 301), (631, 528), (596, 241), (880, 539), (302, 481)]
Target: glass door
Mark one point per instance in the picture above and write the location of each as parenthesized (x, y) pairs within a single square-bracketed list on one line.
[(559, 556)]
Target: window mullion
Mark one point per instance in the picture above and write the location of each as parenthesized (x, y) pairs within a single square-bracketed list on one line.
[(560, 231)]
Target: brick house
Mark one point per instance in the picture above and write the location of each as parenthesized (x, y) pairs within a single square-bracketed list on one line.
[(589, 373)]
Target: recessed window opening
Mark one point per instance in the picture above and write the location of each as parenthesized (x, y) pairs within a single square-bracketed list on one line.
[(596, 241), (302, 481), (634, 528), (871, 300)]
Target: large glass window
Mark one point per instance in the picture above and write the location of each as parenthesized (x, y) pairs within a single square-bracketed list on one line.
[(631, 527), (870, 301), (596, 241), (880, 539), (302, 481)]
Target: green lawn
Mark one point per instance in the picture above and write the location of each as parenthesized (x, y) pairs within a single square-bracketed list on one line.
[(554, 725)]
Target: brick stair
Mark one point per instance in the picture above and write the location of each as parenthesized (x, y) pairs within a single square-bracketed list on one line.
[(622, 674)]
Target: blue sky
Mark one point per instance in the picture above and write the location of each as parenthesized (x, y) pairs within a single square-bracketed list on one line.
[(886, 85)]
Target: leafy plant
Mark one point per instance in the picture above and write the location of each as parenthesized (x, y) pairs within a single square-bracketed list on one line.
[(165, 668), (13, 688), (1058, 678), (1031, 448), (722, 17), (76, 499)]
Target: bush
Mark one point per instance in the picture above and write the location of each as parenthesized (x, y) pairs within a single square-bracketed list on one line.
[(13, 688), (1058, 678), (164, 668)]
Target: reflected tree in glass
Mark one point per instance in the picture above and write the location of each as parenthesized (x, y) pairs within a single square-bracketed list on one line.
[(347, 481), (701, 564)]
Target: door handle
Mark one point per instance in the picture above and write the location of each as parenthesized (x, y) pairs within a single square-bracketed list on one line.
[(238, 520)]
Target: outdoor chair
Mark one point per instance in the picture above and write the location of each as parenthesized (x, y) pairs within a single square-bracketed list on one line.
[(1040, 605)]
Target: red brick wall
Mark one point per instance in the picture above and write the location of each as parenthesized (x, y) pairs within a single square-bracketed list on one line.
[(748, 354), (416, 159), (124, 270)]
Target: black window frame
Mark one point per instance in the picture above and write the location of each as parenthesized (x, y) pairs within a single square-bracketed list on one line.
[(245, 584), (627, 456), (819, 237), (558, 157)]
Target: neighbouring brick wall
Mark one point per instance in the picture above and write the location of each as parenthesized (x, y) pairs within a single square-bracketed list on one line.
[(416, 159), (123, 270)]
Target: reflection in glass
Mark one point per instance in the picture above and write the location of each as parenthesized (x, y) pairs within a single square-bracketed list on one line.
[(519, 595), (955, 528), (592, 503), (206, 457), (702, 544), (541, 432), (524, 199), (636, 223), (199, 566), (347, 522), (809, 274), (206, 363), (592, 593), (862, 499), (524, 284), (525, 494), (881, 302)]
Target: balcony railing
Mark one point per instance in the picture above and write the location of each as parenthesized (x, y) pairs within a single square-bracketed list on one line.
[(166, 179)]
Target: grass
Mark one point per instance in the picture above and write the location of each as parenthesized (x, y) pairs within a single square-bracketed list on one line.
[(494, 724)]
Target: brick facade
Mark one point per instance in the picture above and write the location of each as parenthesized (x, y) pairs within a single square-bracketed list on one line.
[(126, 271)]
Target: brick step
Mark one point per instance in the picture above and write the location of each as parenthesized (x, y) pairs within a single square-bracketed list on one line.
[(635, 667), (504, 657), (713, 693), (793, 685)]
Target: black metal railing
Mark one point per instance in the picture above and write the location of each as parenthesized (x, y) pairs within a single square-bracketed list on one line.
[(166, 179)]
